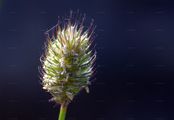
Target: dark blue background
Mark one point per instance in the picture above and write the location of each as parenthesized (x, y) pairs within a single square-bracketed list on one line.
[(135, 44)]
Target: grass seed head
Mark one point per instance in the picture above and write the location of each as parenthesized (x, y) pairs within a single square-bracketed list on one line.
[(69, 57)]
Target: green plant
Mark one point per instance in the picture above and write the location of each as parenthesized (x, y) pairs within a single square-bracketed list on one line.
[(68, 61)]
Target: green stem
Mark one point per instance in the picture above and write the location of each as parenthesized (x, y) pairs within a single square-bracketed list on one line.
[(63, 111)]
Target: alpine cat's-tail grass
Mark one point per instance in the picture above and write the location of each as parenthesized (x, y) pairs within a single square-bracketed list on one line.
[(68, 62)]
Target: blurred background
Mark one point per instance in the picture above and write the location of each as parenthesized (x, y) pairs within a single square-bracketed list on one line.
[(135, 63)]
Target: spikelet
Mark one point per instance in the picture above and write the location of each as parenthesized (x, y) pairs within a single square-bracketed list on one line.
[(68, 62)]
